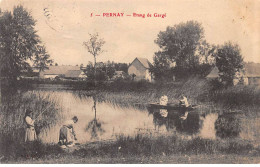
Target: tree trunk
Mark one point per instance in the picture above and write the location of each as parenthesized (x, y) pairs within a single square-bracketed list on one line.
[(95, 70)]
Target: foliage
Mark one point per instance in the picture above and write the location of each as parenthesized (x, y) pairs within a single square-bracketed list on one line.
[(18, 40), (229, 62), (42, 59), (104, 71), (94, 47), (182, 50)]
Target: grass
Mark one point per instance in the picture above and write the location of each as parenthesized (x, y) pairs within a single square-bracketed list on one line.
[(143, 149), (167, 145), (237, 96), (12, 129)]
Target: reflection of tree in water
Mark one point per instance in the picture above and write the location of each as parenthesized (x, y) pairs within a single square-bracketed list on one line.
[(228, 125), (95, 126), (189, 125)]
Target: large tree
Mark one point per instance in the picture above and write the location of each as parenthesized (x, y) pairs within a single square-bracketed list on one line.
[(179, 48), (94, 47), (229, 62), (18, 41), (41, 59)]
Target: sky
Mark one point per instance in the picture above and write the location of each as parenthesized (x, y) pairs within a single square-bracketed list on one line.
[(63, 25)]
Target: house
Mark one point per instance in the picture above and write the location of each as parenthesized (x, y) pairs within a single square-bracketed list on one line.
[(57, 71), (252, 72), (250, 76), (139, 69), (75, 74)]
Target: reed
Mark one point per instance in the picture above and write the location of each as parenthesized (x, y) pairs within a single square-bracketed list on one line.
[(12, 126)]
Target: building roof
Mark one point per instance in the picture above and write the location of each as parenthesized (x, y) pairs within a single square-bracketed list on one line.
[(59, 70), (73, 73), (252, 69), (213, 73), (145, 62)]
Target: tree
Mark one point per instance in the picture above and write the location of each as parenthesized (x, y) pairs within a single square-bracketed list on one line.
[(178, 52), (42, 59), (18, 41), (110, 69), (89, 71), (94, 47), (229, 61)]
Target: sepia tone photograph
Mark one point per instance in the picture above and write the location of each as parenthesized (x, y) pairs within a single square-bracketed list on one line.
[(129, 82)]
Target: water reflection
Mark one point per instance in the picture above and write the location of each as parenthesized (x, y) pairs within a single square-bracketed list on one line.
[(101, 120), (207, 130), (228, 125), (182, 122), (95, 125)]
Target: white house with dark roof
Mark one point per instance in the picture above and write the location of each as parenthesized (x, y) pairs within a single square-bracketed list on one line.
[(139, 69), (59, 71), (75, 74)]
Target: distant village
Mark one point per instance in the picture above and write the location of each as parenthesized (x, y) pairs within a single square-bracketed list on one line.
[(138, 70)]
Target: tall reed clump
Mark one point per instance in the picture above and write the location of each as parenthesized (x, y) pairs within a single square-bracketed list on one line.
[(236, 96), (12, 129)]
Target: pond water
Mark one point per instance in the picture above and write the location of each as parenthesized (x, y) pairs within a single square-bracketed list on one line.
[(105, 121)]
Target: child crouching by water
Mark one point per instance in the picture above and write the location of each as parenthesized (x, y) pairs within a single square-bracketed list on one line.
[(67, 135)]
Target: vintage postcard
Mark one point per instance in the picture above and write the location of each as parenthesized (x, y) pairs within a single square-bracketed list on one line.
[(130, 82)]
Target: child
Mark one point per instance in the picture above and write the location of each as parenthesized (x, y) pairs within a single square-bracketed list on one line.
[(184, 101), (164, 100), (30, 134), (67, 134)]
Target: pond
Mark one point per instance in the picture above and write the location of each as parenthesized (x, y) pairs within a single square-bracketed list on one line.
[(105, 121)]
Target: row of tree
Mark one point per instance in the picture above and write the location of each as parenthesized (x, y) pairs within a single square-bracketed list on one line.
[(184, 52)]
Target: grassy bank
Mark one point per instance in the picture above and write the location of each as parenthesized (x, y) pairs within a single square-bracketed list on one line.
[(147, 149), (12, 125), (135, 159)]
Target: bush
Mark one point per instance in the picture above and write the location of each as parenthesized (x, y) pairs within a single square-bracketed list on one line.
[(236, 96)]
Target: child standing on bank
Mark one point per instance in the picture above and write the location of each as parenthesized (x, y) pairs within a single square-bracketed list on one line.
[(30, 134)]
